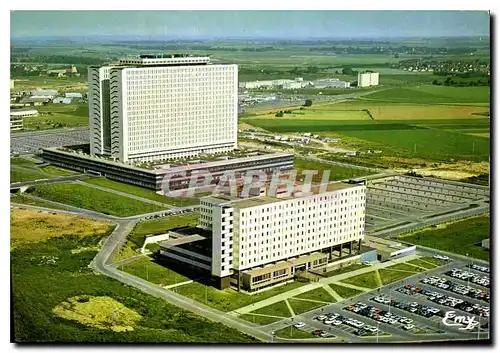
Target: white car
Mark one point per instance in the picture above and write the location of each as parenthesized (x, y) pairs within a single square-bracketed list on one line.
[(299, 325), (329, 321)]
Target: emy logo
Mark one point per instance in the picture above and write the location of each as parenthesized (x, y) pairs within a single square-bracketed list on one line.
[(450, 319)]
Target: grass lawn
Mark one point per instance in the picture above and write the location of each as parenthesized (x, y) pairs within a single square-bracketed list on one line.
[(17, 175), (339, 271), (277, 309), (92, 199), (23, 199), (22, 162), (52, 274), (337, 172), (388, 276), (292, 332), (434, 261), (367, 280), (405, 267), (421, 263), (461, 237), (161, 225), (126, 250), (141, 192), (58, 171), (145, 268), (230, 299), (258, 319), (318, 294), (303, 306), (345, 292)]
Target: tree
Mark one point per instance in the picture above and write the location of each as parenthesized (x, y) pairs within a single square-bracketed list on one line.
[(347, 71), (308, 103), (279, 114), (435, 82), (396, 56)]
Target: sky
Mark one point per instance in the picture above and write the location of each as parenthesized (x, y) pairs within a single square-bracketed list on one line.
[(250, 24)]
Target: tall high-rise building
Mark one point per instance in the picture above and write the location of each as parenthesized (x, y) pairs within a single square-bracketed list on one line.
[(156, 107)]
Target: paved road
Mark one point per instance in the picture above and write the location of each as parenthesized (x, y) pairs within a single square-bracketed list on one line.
[(45, 181), (101, 263)]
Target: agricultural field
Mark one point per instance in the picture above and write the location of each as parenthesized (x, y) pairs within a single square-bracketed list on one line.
[(58, 115), (92, 199), (142, 192), (462, 237), (426, 94), (56, 298), (63, 84)]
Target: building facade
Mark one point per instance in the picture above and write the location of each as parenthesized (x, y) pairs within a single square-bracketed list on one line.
[(162, 108), (260, 241), (368, 79)]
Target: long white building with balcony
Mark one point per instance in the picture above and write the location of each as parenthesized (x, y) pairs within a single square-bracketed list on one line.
[(259, 241)]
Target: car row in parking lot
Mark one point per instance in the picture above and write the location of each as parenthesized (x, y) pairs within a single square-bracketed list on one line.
[(470, 276), (479, 268), (381, 315), (417, 308), (169, 213), (334, 319), (445, 300), (448, 285)]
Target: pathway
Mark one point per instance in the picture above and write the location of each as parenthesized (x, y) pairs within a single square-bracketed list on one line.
[(332, 293), (289, 307)]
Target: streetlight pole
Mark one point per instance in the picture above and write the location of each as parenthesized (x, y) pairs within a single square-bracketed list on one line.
[(378, 325)]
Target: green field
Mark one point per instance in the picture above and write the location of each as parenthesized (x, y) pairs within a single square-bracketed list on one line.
[(292, 332), (229, 299), (161, 225), (58, 171), (388, 275), (366, 280), (21, 162), (259, 319), (337, 172), (303, 306), (277, 309), (345, 269), (142, 192), (462, 237), (318, 294), (146, 269), (345, 292), (21, 174), (430, 139), (433, 94), (405, 267), (38, 286), (422, 263), (23, 199), (92, 199), (58, 115)]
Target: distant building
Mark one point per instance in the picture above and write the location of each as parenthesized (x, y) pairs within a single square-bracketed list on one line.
[(71, 72), (61, 100), (73, 95), (331, 83), (17, 116), (34, 101), (368, 79)]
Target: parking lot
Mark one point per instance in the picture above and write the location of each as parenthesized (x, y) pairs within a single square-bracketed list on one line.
[(413, 309), (32, 142)]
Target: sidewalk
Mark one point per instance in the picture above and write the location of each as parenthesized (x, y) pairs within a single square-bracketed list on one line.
[(319, 284)]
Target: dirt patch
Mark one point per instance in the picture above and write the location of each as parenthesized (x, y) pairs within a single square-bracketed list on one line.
[(103, 313), (455, 171), (28, 226)]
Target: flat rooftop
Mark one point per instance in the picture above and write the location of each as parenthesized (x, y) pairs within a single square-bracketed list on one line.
[(187, 167), (240, 203), (384, 245)]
